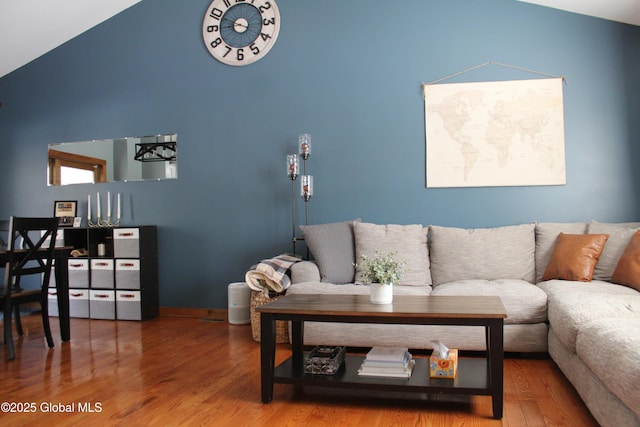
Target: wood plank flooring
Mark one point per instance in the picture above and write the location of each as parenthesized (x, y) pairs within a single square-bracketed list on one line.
[(188, 371)]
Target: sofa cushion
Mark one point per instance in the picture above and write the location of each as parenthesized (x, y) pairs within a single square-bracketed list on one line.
[(517, 337), (574, 304), (575, 256), (546, 234), (332, 246), (619, 237), (627, 271), (559, 288), (525, 302), (351, 289), (606, 408), (409, 241), (482, 253), (611, 349)]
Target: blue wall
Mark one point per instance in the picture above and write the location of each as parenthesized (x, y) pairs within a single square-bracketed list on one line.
[(348, 73)]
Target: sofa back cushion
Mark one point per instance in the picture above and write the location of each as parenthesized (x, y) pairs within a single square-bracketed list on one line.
[(619, 237), (546, 236), (482, 253), (333, 248), (409, 241)]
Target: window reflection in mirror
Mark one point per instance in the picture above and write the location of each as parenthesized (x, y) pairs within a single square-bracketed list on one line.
[(113, 160), (71, 175)]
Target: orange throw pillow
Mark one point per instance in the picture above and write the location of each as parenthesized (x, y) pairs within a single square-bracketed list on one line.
[(575, 257), (627, 271)]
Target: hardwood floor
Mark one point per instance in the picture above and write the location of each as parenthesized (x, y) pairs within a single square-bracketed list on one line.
[(188, 371)]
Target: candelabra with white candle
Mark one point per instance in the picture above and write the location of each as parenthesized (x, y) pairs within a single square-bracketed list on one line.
[(107, 221)]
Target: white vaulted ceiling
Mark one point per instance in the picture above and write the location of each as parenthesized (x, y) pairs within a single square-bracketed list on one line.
[(627, 11), (31, 28)]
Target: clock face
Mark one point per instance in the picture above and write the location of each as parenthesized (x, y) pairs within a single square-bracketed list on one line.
[(239, 32)]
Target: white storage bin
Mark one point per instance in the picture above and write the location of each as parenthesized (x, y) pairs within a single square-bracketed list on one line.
[(102, 304), (128, 305), (126, 243), (52, 302), (128, 274), (79, 303), (78, 273), (59, 238), (52, 277), (59, 242), (101, 274)]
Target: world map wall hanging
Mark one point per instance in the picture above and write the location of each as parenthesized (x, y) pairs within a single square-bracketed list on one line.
[(501, 133)]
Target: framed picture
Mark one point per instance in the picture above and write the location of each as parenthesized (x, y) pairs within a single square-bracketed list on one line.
[(65, 211)]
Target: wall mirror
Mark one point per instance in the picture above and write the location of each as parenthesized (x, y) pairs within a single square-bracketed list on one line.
[(113, 160)]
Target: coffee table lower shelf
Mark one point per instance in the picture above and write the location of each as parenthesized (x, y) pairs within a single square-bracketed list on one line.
[(472, 378)]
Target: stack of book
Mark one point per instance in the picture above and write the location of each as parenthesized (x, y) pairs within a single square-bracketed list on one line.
[(395, 362)]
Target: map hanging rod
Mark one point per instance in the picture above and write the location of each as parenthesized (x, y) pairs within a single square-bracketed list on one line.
[(493, 63)]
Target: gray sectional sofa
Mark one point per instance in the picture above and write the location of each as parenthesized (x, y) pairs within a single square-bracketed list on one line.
[(590, 328)]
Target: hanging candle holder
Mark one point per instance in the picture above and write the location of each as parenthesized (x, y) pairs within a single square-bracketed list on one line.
[(306, 187), (304, 145), (293, 166)]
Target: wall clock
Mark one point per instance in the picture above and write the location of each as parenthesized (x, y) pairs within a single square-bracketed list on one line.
[(240, 32)]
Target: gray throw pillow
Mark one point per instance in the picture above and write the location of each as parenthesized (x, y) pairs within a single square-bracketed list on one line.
[(332, 247), (619, 237), (410, 243)]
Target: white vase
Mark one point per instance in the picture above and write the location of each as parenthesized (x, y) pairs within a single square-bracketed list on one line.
[(381, 293)]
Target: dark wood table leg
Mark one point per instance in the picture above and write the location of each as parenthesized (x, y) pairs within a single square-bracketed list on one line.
[(297, 345), (267, 354), (62, 288), (495, 348)]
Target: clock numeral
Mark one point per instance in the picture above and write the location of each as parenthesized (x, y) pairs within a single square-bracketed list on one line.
[(216, 13), (266, 6), (265, 36), (227, 3), (240, 51), (271, 21), (215, 43), (213, 28), (255, 49)]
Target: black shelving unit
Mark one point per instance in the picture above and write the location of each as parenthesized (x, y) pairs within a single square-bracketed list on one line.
[(120, 285)]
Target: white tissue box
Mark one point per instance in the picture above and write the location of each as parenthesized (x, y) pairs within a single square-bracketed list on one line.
[(443, 368)]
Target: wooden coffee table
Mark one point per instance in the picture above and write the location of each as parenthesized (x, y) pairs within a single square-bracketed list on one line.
[(482, 376)]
